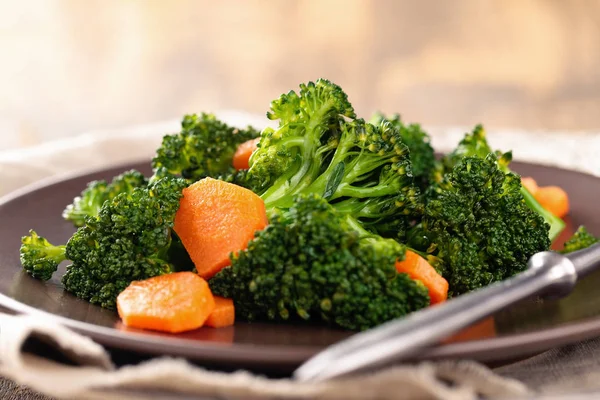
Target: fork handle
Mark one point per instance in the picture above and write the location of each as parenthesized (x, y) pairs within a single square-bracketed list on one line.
[(585, 260)]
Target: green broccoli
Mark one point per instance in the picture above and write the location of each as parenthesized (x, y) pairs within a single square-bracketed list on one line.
[(476, 225), (308, 264), (130, 239), (475, 144), (580, 240), (39, 257), (204, 148), (90, 201), (360, 168), (422, 156)]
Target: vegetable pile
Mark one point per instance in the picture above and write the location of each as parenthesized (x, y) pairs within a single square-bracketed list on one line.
[(325, 218)]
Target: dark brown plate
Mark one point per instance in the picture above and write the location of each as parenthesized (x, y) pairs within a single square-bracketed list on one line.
[(519, 331)]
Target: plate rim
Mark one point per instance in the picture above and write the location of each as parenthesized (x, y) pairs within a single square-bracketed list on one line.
[(510, 346)]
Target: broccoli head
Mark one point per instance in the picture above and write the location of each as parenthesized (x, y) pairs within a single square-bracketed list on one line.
[(39, 257), (360, 168), (90, 201), (422, 156), (475, 144), (308, 264), (477, 225), (203, 148), (130, 239), (580, 240)]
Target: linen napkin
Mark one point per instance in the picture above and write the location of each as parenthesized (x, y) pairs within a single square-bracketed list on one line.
[(96, 378)]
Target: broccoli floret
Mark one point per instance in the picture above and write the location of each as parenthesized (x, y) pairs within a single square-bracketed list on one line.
[(477, 225), (580, 240), (203, 148), (422, 155), (90, 201), (475, 144), (308, 264), (360, 168), (39, 257), (306, 136), (130, 239)]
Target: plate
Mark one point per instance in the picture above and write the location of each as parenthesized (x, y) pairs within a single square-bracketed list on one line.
[(527, 328)]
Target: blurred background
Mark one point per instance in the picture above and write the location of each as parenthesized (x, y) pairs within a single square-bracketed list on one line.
[(70, 66)]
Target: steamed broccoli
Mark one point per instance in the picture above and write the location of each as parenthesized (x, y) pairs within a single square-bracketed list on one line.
[(362, 169), (475, 144), (204, 148), (39, 257), (90, 201), (422, 156), (308, 264), (130, 239), (332, 184), (580, 240), (476, 225)]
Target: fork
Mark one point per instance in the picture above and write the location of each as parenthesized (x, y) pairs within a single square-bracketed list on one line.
[(549, 274)]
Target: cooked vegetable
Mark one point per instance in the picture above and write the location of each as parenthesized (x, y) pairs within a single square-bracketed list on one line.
[(418, 268), (580, 240), (90, 201), (39, 257), (172, 303), (475, 144), (223, 315), (365, 225), (363, 170), (204, 148), (216, 218), (477, 227), (241, 158), (422, 156), (553, 199), (308, 264), (129, 240)]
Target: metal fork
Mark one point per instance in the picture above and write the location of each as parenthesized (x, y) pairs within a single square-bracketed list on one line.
[(549, 274)]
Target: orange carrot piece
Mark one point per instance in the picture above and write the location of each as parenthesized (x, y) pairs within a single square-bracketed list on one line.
[(481, 330), (530, 184), (418, 268), (172, 303), (553, 199), (241, 158), (215, 219), (223, 315)]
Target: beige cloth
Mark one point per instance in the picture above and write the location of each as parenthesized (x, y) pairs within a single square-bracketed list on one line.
[(175, 378)]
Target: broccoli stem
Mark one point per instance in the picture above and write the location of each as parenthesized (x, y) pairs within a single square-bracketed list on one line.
[(56, 253), (357, 227), (363, 192), (556, 224)]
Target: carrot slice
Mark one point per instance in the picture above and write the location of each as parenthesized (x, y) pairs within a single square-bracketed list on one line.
[(241, 158), (553, 199), (418, 268), (223, 315), (530, 184), (215, 219), (172, 303)]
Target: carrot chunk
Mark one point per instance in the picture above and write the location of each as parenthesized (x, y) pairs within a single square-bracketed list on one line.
[(418, 268), (553, 199), (215, 219), (223, 315), (530, 184), (171, 303), (241, 158)]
